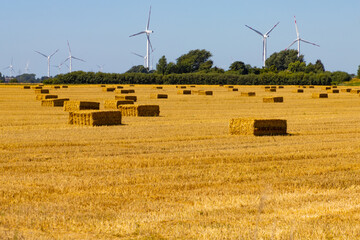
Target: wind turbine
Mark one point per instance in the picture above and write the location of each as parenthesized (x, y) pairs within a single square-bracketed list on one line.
[(264, 36), (298, 39), (27, 69), (148, 43), (58, 67), (71, 57), (143, 57), (48, 59), (101, 67), (11, 68)]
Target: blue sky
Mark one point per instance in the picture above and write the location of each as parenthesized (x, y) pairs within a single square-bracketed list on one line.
[(98, 31)]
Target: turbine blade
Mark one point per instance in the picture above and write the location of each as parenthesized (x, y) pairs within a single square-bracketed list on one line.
[(69, 46), (137, 33), (6, 67), (148, 38), (78, 59), (292, 44), (272, 29), (137, 55), (65, 60), (41, 53), (148, 24), (309, 42), (54, 53), (296, 26), (255, 31)]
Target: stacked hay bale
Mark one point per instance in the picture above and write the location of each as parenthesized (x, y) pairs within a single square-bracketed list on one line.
[(184, 92), (64, 86), (71, 106), (45, 96), (95, 118), (333, 91), (126, 97), (311, 86), (248, 94), (346, 90), (257, 127), (42, 91), (270, 89), (57, 102), (56, 87), (326, 88), (233, 89), (26, 87), (319, 95), (281, 87), (36, 87), (273, 99), (299, 90), (140, 110), (114, 104), (230, 86), (119, 87), (158, 87), (108, 89), (356, 91), (203, 92), (158, 96), (102, 85)]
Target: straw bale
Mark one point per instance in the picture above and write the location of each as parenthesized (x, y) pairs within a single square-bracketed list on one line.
[(333, 91), (230, 86), (319, 95), (183, 87), (248, 94), (207, 93), (45, 96), (131, 85), (192, 86), (131, 90), (311, 86), (270, 90), (95, 118), (140, 110), (326, 88), (126, 97), (346, 90), (233, 89), (273, 99), (299, 90), (36, 87), (273, 87), (158, 96), (57, 102), (71, 106), (281, 87), (114, 104), (158, 87), (267, 87), (42, 91), (64, 86), (108, 89), (257, 127), (102, 85), (56, 87), (119, 87), (184, 92), (122, 91), (26, 87), (334, 86), (355, 91)]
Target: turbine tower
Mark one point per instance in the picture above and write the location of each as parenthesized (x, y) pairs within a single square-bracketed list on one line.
[(264, 36), (27, 69), (298, 39), (48, 59), (71, 57), (148, 43)]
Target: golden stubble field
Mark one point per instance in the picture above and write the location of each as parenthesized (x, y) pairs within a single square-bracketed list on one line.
[(181, 175)]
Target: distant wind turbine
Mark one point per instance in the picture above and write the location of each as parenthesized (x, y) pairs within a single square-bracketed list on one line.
[(27, 69), (58, 67), (148, 42), (101, 67), (298, 39), (11, 68), (264, 36), (143, 57), (71, 57), (48, 59)]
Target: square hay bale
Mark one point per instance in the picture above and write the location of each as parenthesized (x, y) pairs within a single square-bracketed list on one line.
[(140, 110), (270, 90), (45, 96), (56, 87), (326, 88), (119, 87), (248, 94), (281, 87), (257, 127), (158, 96), (273, 87), (273, 99), (102, 85), (183, 87), (114, 104), (346, 90), (319, 95), (299, 90), (267, 87), (131, 85), (126, 97), (356, 91), (233, 89), (311, 86), (26, 87), (192, 86), (158, 87), (184, 92), (131, 91), (122, 91), (108, 89), (71, 106), (42, 91), (230, 86), (207, 93), (333, 91), (36, 87), (95, 118), (64, 86), (57, 102), (334, 86)]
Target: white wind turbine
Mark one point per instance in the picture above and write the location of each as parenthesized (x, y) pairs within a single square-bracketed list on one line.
[(101, 67), (48, 59), (71, 57), (148, 43), (264, 36), (143, 57), (11, 68), (27, 69), (58, 67), (298, 39)]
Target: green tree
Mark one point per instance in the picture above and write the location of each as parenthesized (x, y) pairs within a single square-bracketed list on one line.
[(297, 67), (162, 65), (26, 78), (319, 66), (137, 69), (2, 78), (281, 60), (206, 66), (13, 80), (171, 68), (191, 61), (358, 72), (239, 67)]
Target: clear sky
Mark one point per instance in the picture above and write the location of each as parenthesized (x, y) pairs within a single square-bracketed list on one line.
[(98, 31)]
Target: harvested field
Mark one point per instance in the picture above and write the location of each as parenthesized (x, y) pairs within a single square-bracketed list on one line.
[(180, 175), (71, 106)]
